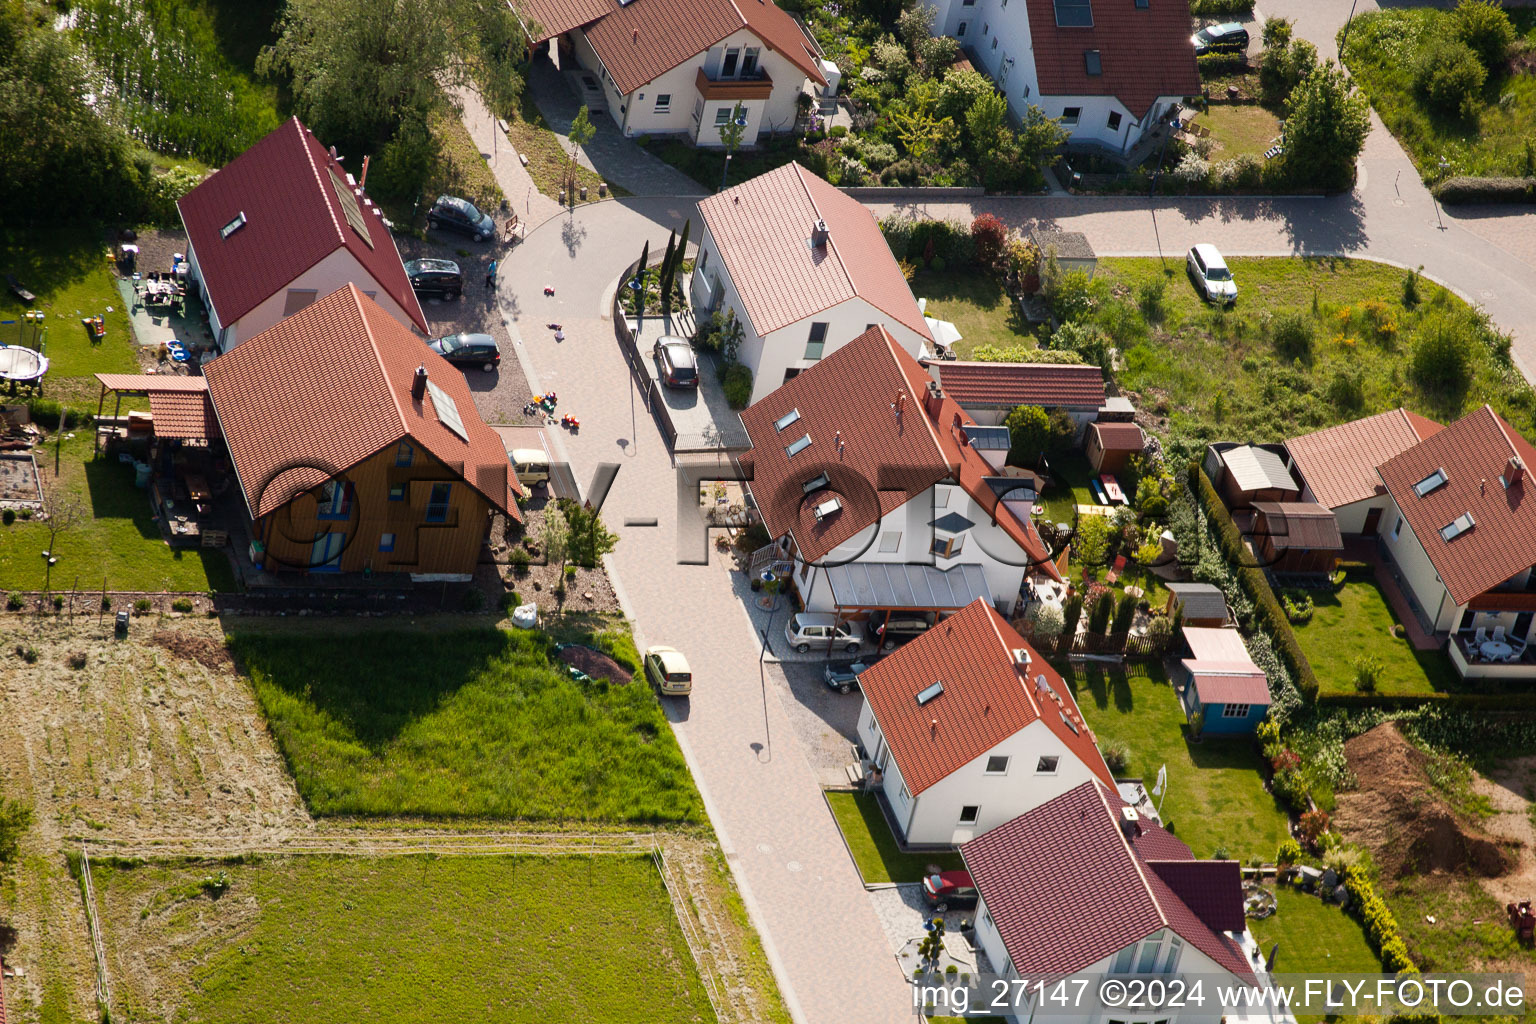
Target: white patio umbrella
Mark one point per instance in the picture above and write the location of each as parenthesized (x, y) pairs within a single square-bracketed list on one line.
[(944, 332)]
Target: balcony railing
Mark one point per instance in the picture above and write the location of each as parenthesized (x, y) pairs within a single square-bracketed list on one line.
[(758, 88)]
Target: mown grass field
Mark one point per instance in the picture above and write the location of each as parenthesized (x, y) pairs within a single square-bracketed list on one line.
[(1382, 49), (1240, 128), (318, 940), (549, 159), (1351, 623), (473, 722), (1216, 798), (975, 303), (873, 846)]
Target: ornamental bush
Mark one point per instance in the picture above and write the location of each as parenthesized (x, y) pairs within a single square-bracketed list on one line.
[(1449, 77), (1486, 29), (990, 235)]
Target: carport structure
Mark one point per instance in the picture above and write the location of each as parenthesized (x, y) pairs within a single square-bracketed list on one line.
[(179, 406), (880, 588)]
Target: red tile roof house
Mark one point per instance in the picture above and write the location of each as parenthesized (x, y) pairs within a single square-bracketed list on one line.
[(357, 448), (988, 392), (1337, 466), (281, 225), (1459, 534), (1082, 886), (969, 727), (680, 67), (883, 492), (806, 270), (1110, 69)]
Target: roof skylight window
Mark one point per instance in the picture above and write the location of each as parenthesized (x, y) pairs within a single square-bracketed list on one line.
[(796, 447), (1093, 62), (928, 693), (233, 226), (1433, 482), (819, 482), (1073, 14), (1458, 526), (786, 419)]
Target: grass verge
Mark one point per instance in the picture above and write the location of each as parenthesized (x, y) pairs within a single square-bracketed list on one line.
[(468, 723), (874, 848), (1216, 798), (321, 940), (548, 158), (1354, 622)]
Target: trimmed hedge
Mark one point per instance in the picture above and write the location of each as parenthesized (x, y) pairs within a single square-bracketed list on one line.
[(1220, 63), (1452, 191), (1216, 8), (1376, 917), (1268, 613)]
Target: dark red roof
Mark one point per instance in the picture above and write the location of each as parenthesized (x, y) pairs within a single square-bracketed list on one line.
[(1474, 452), (330, 386), (1066, 888), (293, 219), (1213, 889), (1145, 52), (987, 697), (1119, 437), (1012, 384), (886, 459)]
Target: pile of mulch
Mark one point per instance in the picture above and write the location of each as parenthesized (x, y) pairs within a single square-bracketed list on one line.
[(1397, 813), (207, 652), (595, 664)]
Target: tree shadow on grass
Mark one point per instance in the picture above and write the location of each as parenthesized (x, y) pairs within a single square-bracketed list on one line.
[(47, 263), (110, 494)]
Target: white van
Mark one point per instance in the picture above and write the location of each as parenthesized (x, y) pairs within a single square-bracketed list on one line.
[(531, 466), (806, 630)]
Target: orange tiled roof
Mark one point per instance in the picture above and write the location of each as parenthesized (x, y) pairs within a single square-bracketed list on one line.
[(1339, 464)]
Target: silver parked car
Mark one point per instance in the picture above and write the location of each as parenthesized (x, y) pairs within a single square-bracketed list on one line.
[(1210, 274), (806, 630)]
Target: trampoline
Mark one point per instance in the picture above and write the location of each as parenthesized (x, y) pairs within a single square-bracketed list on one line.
[(22, 365)]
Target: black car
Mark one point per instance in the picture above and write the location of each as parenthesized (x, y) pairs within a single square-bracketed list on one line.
[(1225, 38), (468, 350), (899, 628), (462, 216), (843, 676), (950, 890), (435, 277), (678, 365)]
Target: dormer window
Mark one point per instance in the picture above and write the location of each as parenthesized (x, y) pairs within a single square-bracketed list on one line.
[(1456, 527), (795, 448), (785, 420), (1433, 482)]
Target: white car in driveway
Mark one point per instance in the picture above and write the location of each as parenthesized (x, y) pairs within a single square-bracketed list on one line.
[(668, 671), (1211, 275)]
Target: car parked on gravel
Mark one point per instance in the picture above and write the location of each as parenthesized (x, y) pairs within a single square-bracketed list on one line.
[(461, 215), (468, 350), (677, 363), (843, 676), (950, 890), (439, 278)]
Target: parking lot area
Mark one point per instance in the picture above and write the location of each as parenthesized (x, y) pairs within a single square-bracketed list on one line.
[(825, 720)]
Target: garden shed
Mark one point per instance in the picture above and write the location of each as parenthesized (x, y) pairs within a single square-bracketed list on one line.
[(1111, 445), (1070, 248), (1224, 693)]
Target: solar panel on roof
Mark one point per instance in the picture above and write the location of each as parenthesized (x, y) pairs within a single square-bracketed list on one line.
[(349, 207), (447, 410)]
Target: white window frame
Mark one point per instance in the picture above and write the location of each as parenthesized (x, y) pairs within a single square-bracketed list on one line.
[(974, 818), (890, 542), (1055, 761), (1236, 710), (1071, 115), (722, 116), (1397, 528), (948, 545), (663, 103), (989, 770)]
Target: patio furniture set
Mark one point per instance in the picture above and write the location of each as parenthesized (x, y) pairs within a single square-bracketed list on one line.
[(1496, 647)]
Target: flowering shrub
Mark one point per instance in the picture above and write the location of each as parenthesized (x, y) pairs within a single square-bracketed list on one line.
[(1313, 825)]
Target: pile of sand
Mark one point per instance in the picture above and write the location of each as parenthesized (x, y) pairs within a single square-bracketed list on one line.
[(1397, 813)]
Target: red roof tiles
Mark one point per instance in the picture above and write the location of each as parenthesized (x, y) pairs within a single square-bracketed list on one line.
[(180, 405), (1339, 464), (642, 40), (330, 386), (1212, 889), (1066, 888), (1474, 452), (886, 458), (987, 698), (1012, 384), (1119, 437), (1228, 683), (1145, 52), (293, 220), (762, 229)]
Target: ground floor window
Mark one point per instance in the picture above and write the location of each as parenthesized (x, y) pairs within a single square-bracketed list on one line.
[(1234, 710)]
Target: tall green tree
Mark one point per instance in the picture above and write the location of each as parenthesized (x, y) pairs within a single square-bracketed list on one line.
[(362, 71), (1029, 434), (62, 156), (1325, 129), (667, 268)]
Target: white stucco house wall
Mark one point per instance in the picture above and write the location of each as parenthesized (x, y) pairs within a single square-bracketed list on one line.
[(282, 225), (674, 67), (883, 495), (806, 270), (968, 727), (1082, 887), (1109, 69)]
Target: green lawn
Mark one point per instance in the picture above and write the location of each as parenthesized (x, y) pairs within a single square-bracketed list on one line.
[(976, 304), (1315, 937), (1353, 622), (549, 159), (114, 537), (67, 270), (317, 940), (873, 846), (1216, 796), (1211, 374), (1470, 931), (466, 723), (1070, 475), (1239, 128), (1383, 47)]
